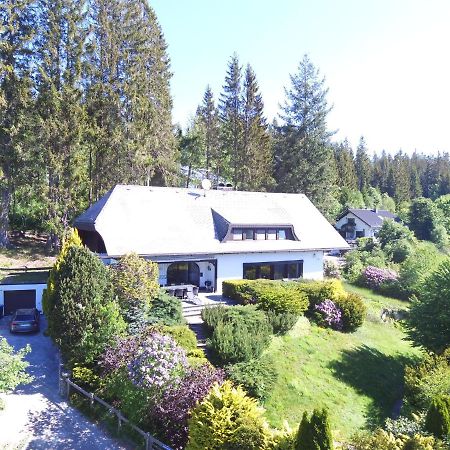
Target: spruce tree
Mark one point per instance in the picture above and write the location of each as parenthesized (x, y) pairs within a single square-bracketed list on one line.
[(17, 29), (256, 168), (345, 165), (209, 117), (363, 165), (302, 150), (62, 116), (230, 109), (314, 433)]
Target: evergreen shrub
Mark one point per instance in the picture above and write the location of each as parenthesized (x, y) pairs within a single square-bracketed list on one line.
[(437, 421), (318, 291), (281, 323), (182, 335), (314, 433), (227, 419), (256, 376), (165, 310), (353, 311)]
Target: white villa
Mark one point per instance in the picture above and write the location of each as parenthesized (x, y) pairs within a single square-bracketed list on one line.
[(205, 237)]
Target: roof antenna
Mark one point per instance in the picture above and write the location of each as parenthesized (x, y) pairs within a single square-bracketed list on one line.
[(206, 185)]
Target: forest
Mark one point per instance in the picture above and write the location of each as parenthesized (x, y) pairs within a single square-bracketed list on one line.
[(85, 104)]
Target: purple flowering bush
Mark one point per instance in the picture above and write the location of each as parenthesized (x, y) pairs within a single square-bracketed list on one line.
[(374, 277), (329, 314), (158, 362), (170, 415)]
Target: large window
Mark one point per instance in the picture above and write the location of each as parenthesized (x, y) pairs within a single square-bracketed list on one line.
[(183, 273), (261, 234), (273, 270)]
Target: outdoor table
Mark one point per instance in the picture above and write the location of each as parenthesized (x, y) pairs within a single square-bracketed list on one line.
[(185, 287)]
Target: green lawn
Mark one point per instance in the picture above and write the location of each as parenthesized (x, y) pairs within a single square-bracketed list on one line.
[(358, 376)]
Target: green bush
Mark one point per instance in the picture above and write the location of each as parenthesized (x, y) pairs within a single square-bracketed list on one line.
[(13, 366), (427, 379), (353, 311), (166, 310), (437, 421), (281, 323), (238, 290), (182, 335), (257, 376), (86, 378), (239, 333), (318, 291), (315, 433), (212, 315), (227, 419), (269, 295)]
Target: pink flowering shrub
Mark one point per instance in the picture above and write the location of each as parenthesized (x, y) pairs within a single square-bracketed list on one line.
[(374, 277), (170, 415), (157, 362), (329, 314)]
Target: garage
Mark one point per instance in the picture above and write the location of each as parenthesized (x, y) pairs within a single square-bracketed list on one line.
[(19, 299)]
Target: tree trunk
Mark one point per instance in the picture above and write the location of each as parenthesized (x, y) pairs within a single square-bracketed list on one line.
[(5, 199)]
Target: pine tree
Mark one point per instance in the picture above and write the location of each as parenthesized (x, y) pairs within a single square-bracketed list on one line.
[(399, 179), (208, 115), (17, 29), (302, 152), (62, 117), (256, 168), (230, 109), (363, 165)]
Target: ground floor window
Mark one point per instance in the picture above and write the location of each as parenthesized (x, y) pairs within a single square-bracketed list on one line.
[(273, 270), (183, 273)]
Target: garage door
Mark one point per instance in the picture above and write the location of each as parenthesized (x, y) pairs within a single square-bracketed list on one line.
[(19, 299)]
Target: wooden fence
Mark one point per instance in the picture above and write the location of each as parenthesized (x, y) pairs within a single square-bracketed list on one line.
[(151, 443)]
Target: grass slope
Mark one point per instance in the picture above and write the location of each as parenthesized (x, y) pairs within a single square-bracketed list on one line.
[(358, 376)]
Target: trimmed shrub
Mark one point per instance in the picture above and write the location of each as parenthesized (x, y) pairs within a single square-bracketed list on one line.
[(268, 295), (437, 421), (315, 433), (353, 311), (281, 323), (238, 290), (257, 377), (227, 419), (165, 310)]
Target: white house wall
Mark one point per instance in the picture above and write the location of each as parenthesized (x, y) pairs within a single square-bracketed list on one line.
[(230, 266), (39, 288), (360, 225)]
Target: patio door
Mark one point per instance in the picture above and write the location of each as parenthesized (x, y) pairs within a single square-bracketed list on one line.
[(183, 273)]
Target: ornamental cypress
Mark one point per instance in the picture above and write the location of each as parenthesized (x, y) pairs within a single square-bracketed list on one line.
[(315, 433)]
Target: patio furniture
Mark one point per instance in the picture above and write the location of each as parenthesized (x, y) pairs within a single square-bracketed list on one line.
[(195, 291), (179, 293)]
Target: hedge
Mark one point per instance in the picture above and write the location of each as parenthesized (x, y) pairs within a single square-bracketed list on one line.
[(268, 295)]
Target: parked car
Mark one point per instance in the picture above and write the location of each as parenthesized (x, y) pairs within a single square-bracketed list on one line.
[(25, 321)]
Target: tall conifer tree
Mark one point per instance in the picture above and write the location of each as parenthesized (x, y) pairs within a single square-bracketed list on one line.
[(17, 28), (302, 148), (230, 108), (363, 165), (62, 118)]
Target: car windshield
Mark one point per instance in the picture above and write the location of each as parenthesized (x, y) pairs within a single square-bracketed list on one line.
[(24, 317)]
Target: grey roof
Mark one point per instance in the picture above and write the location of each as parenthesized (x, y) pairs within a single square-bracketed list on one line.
[(373, 218), (174, 221)]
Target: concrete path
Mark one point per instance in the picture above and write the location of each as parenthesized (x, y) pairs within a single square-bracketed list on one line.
[(35, 415)]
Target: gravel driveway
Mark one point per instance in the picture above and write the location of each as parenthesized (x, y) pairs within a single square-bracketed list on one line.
[(36, 414)]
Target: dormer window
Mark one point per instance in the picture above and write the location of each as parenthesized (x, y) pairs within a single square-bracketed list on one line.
[(261, 234)]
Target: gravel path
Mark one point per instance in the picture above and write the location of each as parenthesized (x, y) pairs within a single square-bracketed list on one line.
[(36, 414)]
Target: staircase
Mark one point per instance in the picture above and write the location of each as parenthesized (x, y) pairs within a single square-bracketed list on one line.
[(193, 315)]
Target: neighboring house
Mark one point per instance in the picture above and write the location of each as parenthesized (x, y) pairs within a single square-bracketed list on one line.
[(205, 237), (357, 223)]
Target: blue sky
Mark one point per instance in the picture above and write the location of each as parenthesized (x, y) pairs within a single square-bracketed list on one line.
[(386, 62)]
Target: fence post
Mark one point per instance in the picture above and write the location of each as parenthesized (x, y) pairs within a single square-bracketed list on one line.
[(119, 422), (148, 441)]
